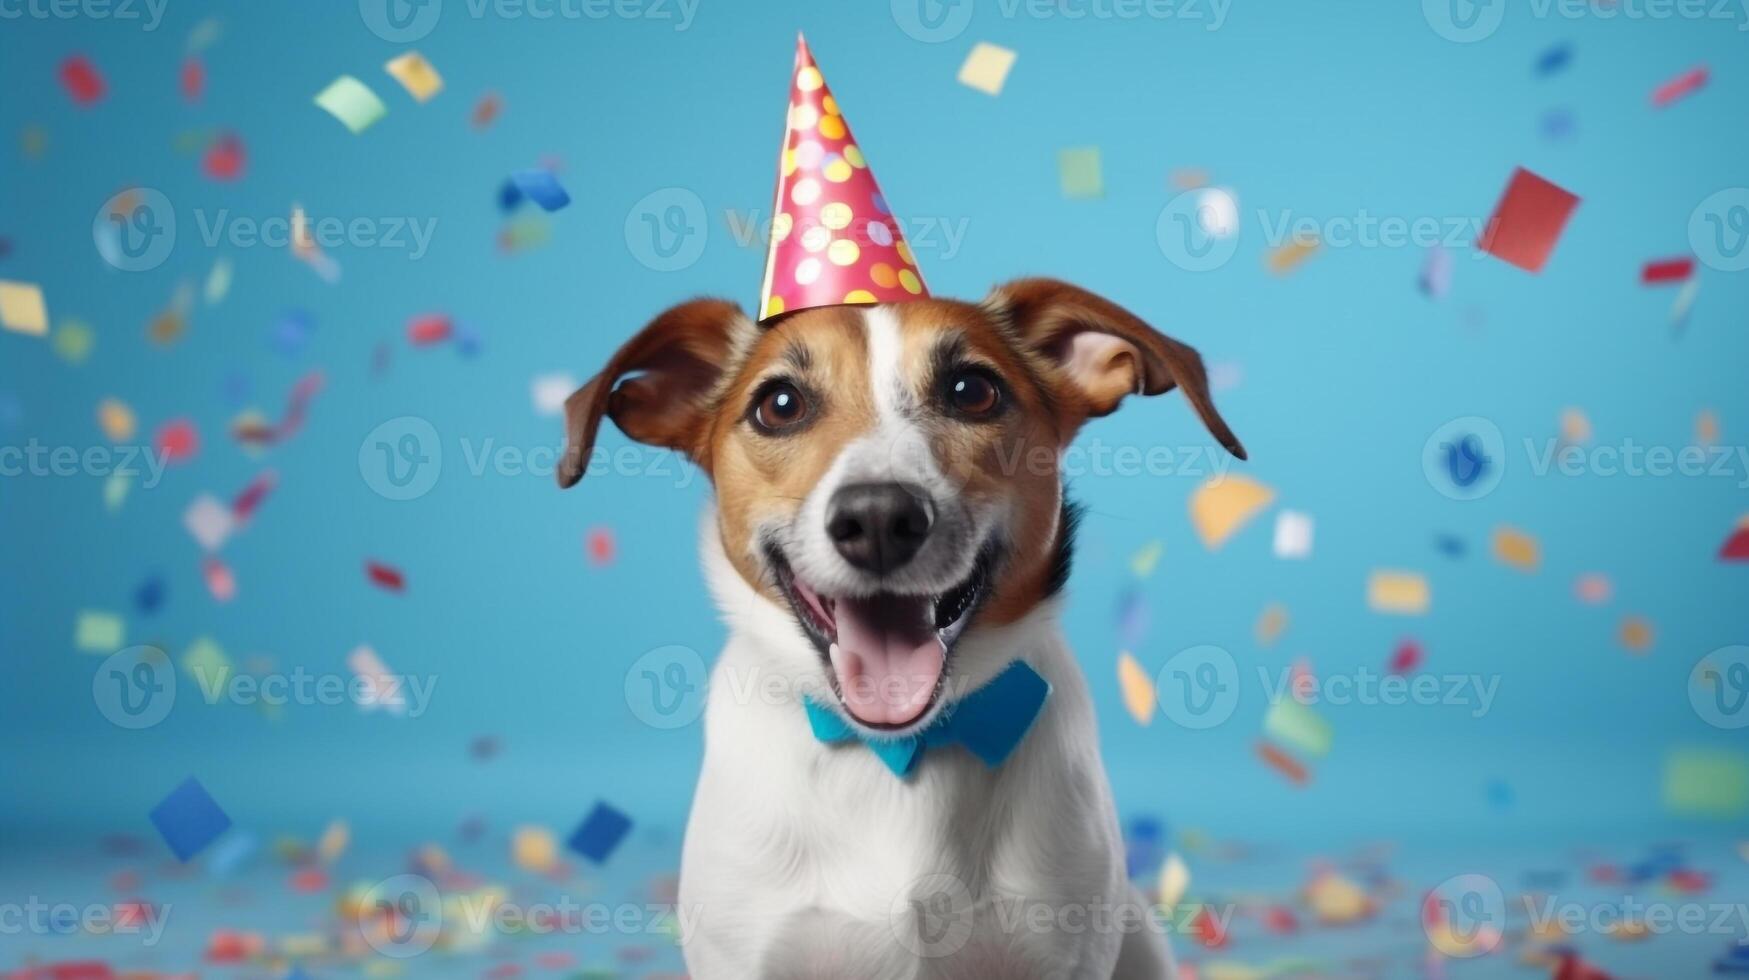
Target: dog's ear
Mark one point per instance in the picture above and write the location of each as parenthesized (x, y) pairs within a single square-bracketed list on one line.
[(658, 387), (1104, 350)]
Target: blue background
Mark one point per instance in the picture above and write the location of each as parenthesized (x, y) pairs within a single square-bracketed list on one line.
[(1304, 110)]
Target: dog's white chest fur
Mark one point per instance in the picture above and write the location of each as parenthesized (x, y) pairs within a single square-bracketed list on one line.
[(809, 860)]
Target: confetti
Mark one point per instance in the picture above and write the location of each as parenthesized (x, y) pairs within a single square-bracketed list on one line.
[(1401, 593), (192, 79), (218, 281), (1078, 172), (986, 68), (1335, 900), (1282, 763), (98, 632), (1137, 688), (1271, 624), (1406, 659), (385, 577), (1528, 221), (220, 582), (600, 545), (1554, 59), (333, 841), (1636, 634), (416, 75), (1293, 535), (486, 110), (1706, 782), (22, 308), (549, 392), (1294, 724), (1575, 427), (1593, 588), (424, 331), (1516, 549), (541, 186), (189, 819), (177, 441), (73, 341), (149, 597), (291, 333), (206, 663), (533, 849), (1681, 86), (1706, 427), (1224, 504), (224, 158), (115, 491), (1557, 125), (1436, 272), (243, 507), (382, 689), (352, 102), (600, 833), (1174, 880), (83, 82), (1188, 179), (1290, 256), (1146, 559), (1684, 303), (1736, 546), (1664, 271)]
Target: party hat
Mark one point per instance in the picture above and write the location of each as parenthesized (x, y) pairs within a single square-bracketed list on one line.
[(833, 239)]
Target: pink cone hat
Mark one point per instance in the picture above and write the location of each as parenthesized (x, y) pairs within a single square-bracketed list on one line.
[(833, 239)]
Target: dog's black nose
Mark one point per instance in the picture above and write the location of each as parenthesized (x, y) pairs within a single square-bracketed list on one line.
[(878, 526)]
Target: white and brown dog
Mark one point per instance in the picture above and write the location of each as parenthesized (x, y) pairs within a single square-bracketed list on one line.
[(889, 539)]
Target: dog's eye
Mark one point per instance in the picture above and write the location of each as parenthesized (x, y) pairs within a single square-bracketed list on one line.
[(973, 392), (779, 407)]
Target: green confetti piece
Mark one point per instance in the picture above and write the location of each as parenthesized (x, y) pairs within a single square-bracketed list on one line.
[(1296, 725), (98, 632), (353, 103), (1078, 170), (1706, 782)]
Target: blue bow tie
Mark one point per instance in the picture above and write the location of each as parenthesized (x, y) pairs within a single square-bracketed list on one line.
[(989, 722)]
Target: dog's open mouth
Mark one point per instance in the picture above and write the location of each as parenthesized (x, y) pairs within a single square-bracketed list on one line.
[(888, 653)]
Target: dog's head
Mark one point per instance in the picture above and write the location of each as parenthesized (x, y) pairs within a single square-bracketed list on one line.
[(887, 476)]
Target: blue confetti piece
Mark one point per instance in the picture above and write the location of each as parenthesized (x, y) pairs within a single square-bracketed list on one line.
[(1132, 618), (229, 854), (467, 341), (189, 819), (1557, 125), (150, 595), (1450, 545), (1554, 60), (541, 187), (600, 833), (292, 333), (509, 196)]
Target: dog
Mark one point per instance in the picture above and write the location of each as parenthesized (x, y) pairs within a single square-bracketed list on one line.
[(888, 545)]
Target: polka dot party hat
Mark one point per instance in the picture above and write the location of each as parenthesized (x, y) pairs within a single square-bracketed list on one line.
[(833, 239)]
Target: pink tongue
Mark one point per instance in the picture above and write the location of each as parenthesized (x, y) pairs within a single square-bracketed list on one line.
[(887, 658)]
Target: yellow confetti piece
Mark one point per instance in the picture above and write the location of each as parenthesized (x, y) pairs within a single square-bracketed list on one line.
[(986, 68), (116, 420), (1575, 427), (1706, 428), (1224, 504), (1288, 257), (1336, 901), (1401, 593), (98, 632), (1517, 549), (1138, 688), (333, 841), (416, 75), (1174, 880), (1143, 562), (1188, 179), (534, 849), (1636, 634), (22, 308), (1271, 624)]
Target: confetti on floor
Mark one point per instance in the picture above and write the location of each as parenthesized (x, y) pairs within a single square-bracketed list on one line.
[(352, 103), (418, 76), (1078, 172), (986, 68), (534, 849), (1528, 221), (1137, 688), (1399, 593), (1224, 504)]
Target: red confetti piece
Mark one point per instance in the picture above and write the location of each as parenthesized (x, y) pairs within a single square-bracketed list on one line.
[(503, 971), (486, 110), (193, 79), (1282, 763), (1528, 221), (1687, 83), (1736, 547), (132, 914), (297, 406), (601, 546), (253, 494), (178, 441), (1208, 930), (309, 880), (224, 159), (219, 580), (433, 328), (555, 961), (1280, 920), (1690, 882), (1666, 271), (385, 576), (82, 80), (1407, 657)]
